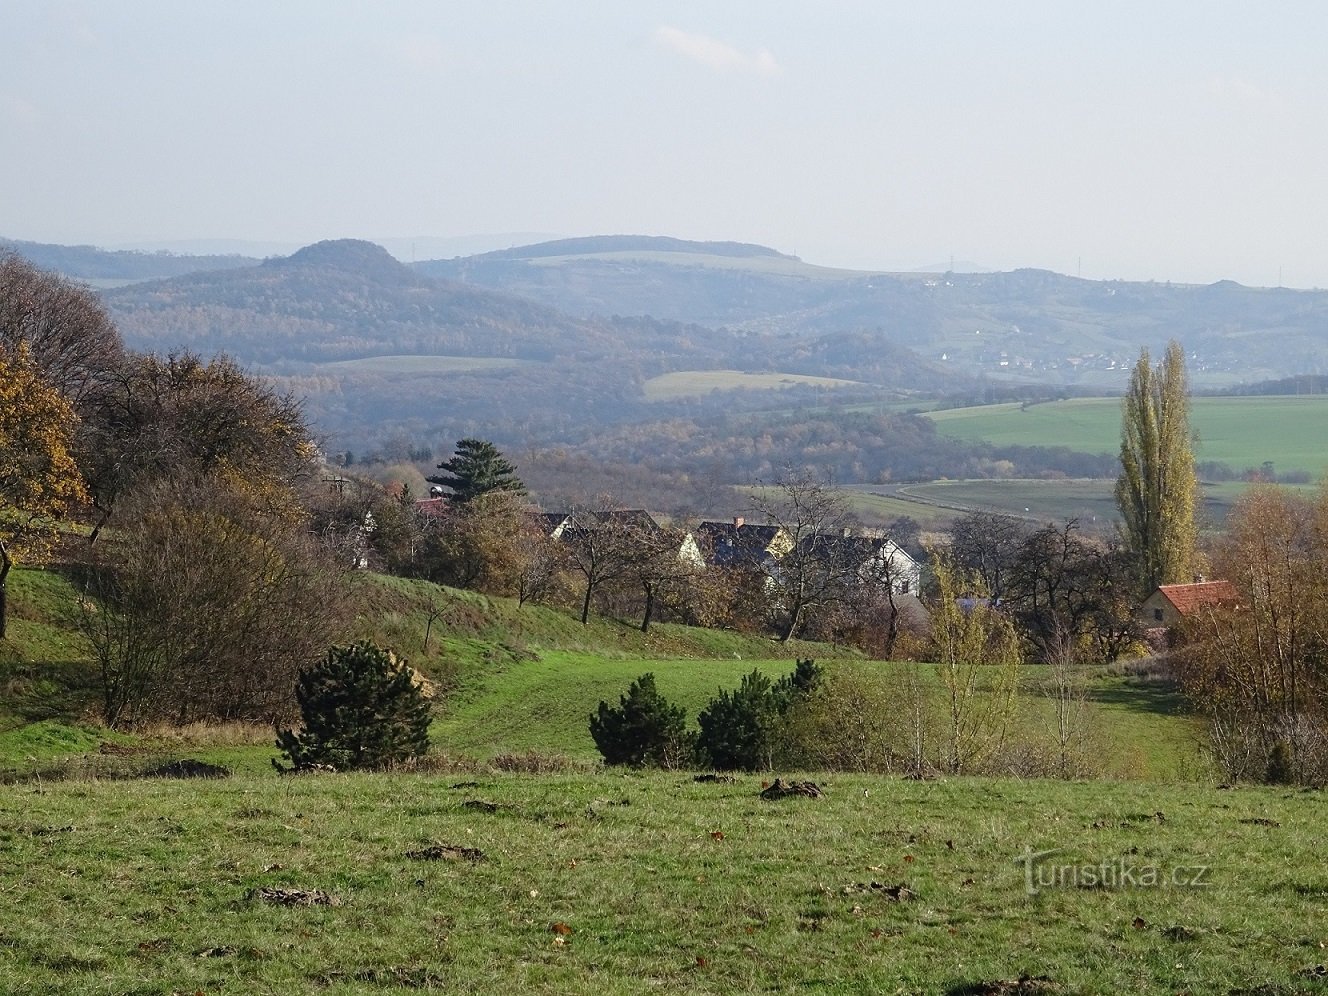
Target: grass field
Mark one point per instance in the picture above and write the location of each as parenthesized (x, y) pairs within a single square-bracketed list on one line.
[(421, 364), (1240, 432), (624, 883), (936, 503), (693, 383)]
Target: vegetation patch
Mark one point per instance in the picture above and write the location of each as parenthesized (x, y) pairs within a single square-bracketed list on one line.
[(695, 383)]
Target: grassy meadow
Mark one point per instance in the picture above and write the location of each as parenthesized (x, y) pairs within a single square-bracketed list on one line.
[(1241, 432), (461, 876), (627, 882)]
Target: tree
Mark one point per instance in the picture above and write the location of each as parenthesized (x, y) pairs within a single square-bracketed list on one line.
[(977, 651), (208, 606), (744, 728), (476, 468), (38, 476), (1157, 488), (987, 544), (361, 709), (812, 573), (644, 730), (72, 340), (153, 417), (609, 548)]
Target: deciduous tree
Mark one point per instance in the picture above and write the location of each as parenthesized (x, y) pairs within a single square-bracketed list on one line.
[(1157, 488), (38, 476)]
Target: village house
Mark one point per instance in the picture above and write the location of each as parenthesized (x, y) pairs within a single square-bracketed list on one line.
[(1170, 603)]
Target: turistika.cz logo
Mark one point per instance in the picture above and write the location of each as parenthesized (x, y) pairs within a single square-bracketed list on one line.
[(1113, 874)]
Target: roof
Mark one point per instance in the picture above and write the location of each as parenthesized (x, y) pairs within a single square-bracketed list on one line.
[(738, 543), (432, 508), (1189, 598)]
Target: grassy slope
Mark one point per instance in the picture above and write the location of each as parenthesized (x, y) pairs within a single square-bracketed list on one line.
[(1241, 432), (658, 884), (511, 679)]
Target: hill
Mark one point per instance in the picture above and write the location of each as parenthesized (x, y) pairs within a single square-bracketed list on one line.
[(1027, 325), (105, 268)]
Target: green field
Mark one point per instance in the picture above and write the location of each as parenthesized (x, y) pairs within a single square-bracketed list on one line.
[(694, 383), (421, 364), (1091, 501), (628, 883), (1240, 432)]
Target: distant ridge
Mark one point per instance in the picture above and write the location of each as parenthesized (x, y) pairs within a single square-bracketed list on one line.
[(366, 259), (592, 244)]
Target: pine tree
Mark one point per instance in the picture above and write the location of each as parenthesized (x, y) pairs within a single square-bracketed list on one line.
[(361, 709), (476, 468), (1157, 489), (643, 730)]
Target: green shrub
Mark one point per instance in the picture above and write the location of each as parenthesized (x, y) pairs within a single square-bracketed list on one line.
[(644, 730), (745, 728), (361, 709)]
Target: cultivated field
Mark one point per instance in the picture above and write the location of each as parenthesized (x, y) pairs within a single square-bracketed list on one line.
[(693, 383), (1091, 500), (1240, 432)]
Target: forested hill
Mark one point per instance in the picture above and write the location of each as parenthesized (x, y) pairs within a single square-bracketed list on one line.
[(103, 266), (594, 244), (349, 299), (1026, 325)]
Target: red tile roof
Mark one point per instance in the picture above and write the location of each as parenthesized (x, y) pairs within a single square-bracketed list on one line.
[(1188, 598)]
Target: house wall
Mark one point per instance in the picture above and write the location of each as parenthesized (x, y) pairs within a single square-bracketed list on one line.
[(1156, 610)]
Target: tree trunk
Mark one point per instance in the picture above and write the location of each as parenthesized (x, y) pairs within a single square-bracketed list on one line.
[(650, 609), (585, 604), (5, 564)]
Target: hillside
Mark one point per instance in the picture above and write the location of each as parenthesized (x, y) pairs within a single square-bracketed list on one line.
[(104, 268), (1029, 325)]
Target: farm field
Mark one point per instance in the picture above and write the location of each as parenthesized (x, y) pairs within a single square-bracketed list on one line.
[(692, 383), (421, 364), (622, 882), (1090, 500), (1238, 431)]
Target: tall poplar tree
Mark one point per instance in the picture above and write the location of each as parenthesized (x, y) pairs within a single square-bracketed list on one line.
[(1157, 490)]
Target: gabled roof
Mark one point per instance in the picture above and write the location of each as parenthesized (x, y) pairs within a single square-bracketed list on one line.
[(1189, 598), (738, 542), (432, 508)]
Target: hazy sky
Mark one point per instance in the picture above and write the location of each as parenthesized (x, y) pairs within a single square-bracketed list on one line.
[(1185, 141)]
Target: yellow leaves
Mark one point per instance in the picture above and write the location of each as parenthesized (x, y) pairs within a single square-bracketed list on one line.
[(39, 478)]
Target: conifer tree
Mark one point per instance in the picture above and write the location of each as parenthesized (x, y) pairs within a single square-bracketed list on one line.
[(361, 709), (477, 468)]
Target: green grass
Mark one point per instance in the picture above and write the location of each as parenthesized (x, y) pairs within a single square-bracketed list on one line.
[(694, 383), (421, 364), (1090, 500), (1239, 431), (624, 883)]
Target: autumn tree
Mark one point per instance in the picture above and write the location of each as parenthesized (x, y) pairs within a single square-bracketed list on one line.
[(1157, 489), (987, 544), (71, 339), (156, 416), (486, 544), (475, 469), (38, 476), (1254, 665)]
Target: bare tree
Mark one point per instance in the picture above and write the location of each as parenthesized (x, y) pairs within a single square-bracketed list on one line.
[(72, 339), (813, 572), (988, 544)]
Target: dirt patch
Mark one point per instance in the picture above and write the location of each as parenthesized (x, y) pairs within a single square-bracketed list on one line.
[(724, 779), (446, 852), (1025, 985), (900, 893), (780, 789), (480, 805), (186, 768), (292, 897), (1261, 821)]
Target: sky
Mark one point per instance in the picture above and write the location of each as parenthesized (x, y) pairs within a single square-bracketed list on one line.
[(1182, 141)]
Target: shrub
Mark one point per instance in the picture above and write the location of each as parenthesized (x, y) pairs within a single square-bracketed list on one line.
[(745, 728), (361, 709), (644, 730)]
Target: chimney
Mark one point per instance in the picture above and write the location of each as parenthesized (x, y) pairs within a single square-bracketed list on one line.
[(1199, 579), (738, 521)]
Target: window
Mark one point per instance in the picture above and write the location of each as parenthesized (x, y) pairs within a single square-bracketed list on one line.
[(1157, 615)]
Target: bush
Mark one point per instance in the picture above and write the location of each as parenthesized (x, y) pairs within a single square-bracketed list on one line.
[(361, 709), (644, 730)]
